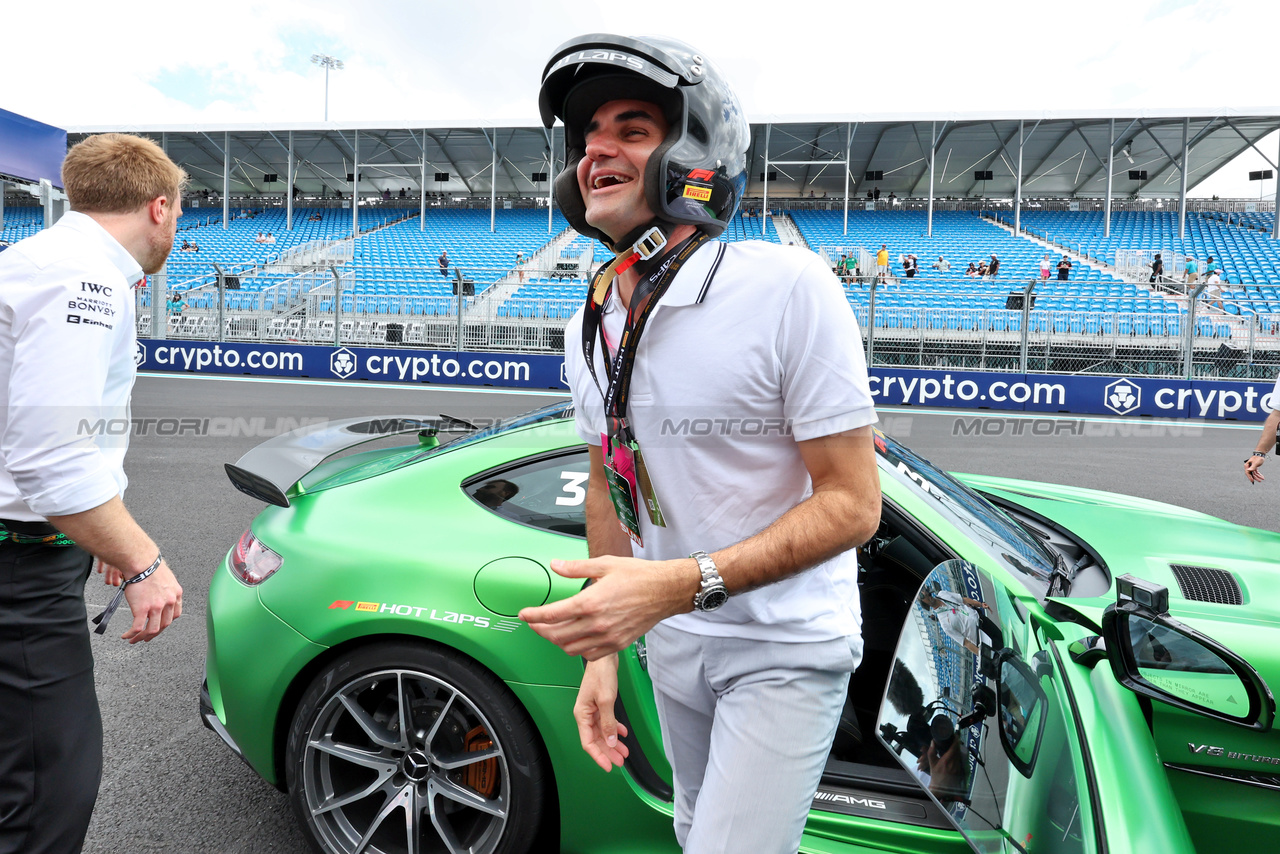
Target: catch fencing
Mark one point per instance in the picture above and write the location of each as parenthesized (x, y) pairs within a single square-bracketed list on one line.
[(924, 324)]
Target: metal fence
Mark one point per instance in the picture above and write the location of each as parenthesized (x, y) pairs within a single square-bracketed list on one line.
[(927, 325), (1159, 334)]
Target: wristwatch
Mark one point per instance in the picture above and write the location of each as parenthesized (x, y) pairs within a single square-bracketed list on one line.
[(713, 593)]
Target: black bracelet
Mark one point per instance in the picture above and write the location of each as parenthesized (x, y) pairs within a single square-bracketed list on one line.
[(105, 617)]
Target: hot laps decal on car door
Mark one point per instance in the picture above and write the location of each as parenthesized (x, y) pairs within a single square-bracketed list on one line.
[(424, 613)]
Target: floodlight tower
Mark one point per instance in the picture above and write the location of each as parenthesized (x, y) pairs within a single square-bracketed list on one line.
[(326, 62)]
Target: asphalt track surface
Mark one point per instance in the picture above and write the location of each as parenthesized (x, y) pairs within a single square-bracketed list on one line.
[(169, 785)]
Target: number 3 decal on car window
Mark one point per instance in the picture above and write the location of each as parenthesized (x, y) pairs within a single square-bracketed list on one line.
[(575, 494)]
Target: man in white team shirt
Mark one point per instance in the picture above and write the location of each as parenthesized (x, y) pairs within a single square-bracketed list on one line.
[(750, 405), (67, 358), (1266, 441)]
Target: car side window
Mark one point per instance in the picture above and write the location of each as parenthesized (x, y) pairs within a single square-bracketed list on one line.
[(544, 492)]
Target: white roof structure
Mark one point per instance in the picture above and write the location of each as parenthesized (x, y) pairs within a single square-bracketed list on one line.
[(1062, 154)]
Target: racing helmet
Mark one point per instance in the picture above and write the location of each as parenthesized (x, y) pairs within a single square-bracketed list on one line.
[(697, 175)]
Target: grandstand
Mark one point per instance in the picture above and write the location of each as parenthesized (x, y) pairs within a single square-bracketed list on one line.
[(20, 223), (949, 186)]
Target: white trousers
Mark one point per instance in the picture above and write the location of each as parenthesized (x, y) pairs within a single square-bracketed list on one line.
[(747, 726)]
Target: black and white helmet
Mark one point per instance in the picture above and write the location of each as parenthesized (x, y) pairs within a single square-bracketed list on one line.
[(697, 175)]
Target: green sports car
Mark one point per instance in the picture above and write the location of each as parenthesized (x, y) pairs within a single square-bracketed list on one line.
[(1046, 669)]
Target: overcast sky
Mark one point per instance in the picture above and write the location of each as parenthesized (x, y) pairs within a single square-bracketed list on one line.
[(478, 62)]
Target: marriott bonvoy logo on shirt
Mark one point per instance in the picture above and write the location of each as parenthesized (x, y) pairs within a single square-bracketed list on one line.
[(92, 310)]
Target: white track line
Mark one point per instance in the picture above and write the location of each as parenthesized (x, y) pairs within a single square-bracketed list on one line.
[(902, 410)]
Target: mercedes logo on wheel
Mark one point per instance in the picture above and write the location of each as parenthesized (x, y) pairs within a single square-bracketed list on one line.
[(1122, 397), (416, 765)]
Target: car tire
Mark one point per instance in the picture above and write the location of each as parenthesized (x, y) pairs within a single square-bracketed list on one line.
[(358, 783)]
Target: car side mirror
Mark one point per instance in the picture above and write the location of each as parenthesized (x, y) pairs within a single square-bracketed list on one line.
[(1155, 656), (1021, 711)]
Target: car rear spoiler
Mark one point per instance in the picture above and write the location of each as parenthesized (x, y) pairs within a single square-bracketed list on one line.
[(268, 471)]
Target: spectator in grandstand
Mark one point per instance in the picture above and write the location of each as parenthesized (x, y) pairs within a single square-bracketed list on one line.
[(747, 643), (942, 265), (1191, 271), (972, 271), (1267, 441), (877, 193), (909, 266), (444, 262), (993, 269), (186, 246), (1045, 264), (845, 269), (60, 492), (271, 238), (882, 263), (1210, 266), (868, 195), (983, 269), (520, 265), (175, 305), (1064, 268), (402, 192), (893, 200), (1213, 290), (1157, 270), (261, 238), (386, 194)]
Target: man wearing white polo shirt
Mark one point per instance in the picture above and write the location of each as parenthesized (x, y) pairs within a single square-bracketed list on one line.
[(1267, 441), (722, 392)]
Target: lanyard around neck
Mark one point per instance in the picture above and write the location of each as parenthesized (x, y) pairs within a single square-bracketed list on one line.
[(644, 299)]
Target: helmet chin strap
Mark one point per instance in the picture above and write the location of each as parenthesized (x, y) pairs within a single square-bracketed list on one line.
[(642, 244)]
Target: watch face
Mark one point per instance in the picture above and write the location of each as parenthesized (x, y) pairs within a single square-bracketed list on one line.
[(713, 598)]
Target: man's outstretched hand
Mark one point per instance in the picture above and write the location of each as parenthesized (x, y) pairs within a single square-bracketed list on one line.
[(629, 597)]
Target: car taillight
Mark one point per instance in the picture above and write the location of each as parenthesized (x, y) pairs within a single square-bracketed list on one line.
[(251, 561)]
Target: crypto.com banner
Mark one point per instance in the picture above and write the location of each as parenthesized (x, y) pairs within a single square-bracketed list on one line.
[(1078, 395), (1057, 393), (503, 370)]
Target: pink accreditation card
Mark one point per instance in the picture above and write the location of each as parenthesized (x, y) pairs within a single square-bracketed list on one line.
[(620, 472)]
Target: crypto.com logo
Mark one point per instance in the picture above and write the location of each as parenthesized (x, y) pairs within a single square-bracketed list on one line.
[(564, 374), (342, 363), (139, 354), (1122, 397)]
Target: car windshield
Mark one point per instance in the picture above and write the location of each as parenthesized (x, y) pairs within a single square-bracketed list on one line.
[(999, 536)]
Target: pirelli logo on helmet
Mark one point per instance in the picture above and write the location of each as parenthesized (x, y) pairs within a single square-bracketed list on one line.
[(697, 193)]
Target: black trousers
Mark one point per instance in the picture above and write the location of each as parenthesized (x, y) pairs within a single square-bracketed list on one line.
[(50, 726)]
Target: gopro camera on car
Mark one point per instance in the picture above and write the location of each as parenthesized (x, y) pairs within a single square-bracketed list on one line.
[(1130, 588)]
